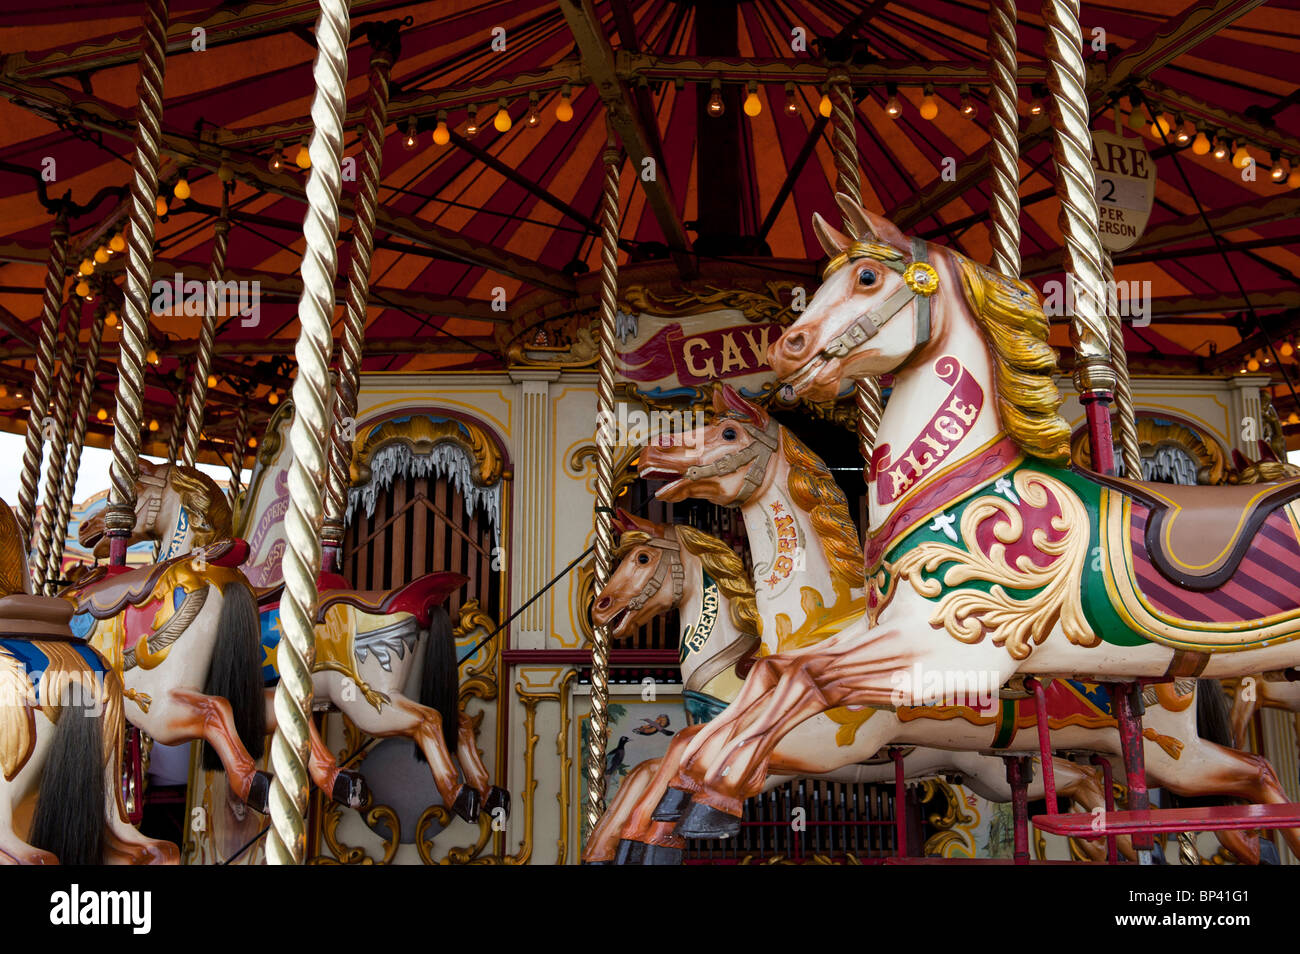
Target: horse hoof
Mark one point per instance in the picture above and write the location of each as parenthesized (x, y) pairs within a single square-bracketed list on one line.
[(630, 852), (467, 804), (705, 821), (661, 855), (672, 805), (259, 792), (350, 788), (497, 798)]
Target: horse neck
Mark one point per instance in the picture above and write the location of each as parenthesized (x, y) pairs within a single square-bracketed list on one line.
[(698, 610), (786, 553), (919, 430), (173, 540)]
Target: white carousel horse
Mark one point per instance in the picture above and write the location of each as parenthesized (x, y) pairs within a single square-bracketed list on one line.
[(371, 644), (720, 622), (1261, 694), (60, 732), (987, 554), (717, 463)]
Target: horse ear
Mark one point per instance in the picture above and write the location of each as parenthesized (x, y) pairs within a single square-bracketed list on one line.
[(832, 240), (622, 520), (738, 405), (884, 230), (630, 521), (855, 218)]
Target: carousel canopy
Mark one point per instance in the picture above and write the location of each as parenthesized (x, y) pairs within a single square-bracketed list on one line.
[(491, 172)]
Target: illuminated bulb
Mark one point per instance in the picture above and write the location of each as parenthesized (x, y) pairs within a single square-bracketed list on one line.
[(212, 380), (1220, 150), (87, 267), (1281, 168), (101, 414), (967, 104), (1137, 119), (83, 289), (824, 107), (111, 319), (471, 129), (117, 243), (303, 157), (152, 356), (1287, 349), (1252, 364), (160, 205), (273, 399), (893, 107), (1184, 134), (791, 106), (1241, 158), (716, 107), (1201, 144), (533, 116), (929, 107), (1293, 180), (252, 442), (101, 254), (564, 108), (753, 105), (441, 134), (409, 141), (501, 122), (182, 189), (1160, 126), (1036, 107), (276, 162), (1293, 418), (153, 424)]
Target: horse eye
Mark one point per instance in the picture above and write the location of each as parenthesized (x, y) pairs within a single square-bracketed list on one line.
[(642, 558), (866, 278), (729, 434)]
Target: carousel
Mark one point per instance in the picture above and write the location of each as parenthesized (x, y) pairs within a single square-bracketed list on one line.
[(650, 432)]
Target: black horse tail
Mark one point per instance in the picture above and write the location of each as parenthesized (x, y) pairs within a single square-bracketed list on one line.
[(439, 679), (236, 671), (1213, 715), (69, 818)]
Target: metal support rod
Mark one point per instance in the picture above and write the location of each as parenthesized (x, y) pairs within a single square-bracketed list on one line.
[(34, 448), (1128, 712), (1019, 773), (1044, 742), (198, 394), (241, 449), (1125, 416), (848, 179), (385, 47), (900, 803), (599, 734), (1094, 376), (78, 420), (58, 437), (1004, 139), (1108, 780), (290, 747), (119, 516)]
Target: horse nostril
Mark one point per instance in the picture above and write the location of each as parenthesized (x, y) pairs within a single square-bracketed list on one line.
[(795, 344), (603, 603)]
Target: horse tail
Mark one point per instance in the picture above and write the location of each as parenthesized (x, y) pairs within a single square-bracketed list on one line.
[(69, 818), (439, 678), (1213, 714), (236, 670)]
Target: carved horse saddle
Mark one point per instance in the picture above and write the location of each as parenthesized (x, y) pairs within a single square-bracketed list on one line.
[(418, 597), (1197, 536), (35, 617), (107, 590)]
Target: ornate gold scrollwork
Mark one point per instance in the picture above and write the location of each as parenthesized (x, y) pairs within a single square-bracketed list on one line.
[(569, 344), (1211, 463), (757, 306), (421, 433)]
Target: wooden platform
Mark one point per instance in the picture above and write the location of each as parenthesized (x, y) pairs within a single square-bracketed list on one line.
[(1172, 820)]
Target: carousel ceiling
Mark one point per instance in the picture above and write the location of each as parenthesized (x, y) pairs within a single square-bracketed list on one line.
[(491, 171)]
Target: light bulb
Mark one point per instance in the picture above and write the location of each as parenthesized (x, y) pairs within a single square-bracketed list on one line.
[(791, 106), (893, 107), (1036, 107), (716, 106), (471, 128), (1160, 126), (1201, 144), (83, 289), (1281, 168), (929, 107), (824, 107), (101, 414), (252, 442), (101, 254), (409, 141), (564, 108), (212, 380), (1286, 349), (87, 267), (967, 104), (111, 319), (118, 242), (273, 399), (1252, 364), (1293, 180), (152, 356), (1184, 134), (1241, 158), (533, 116), (160, 205), (1137, 119), (303, 157), (1220, 150), (1293, 418), (441, 135), (182, 189), (153, 424), (753, 105), (501, 122)]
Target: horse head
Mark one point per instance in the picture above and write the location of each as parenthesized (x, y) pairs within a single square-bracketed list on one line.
[(872, 313), (162, 492), (725, 461), (648, 556)]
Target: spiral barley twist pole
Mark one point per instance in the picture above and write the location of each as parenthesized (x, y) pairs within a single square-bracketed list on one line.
[(383, 52), (1004, 138), (58, 453), (34, 448), (119, 516), (844, 148), (290, 747), (604, 482), (78, 420), (241, 450), (207, 335), (1125, 415)]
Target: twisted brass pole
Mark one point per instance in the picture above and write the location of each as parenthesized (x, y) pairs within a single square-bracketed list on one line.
[(58, 438), (34, 448), (237, 458), (1004, 138), (384, 50), (176, 432), (287, 841), (119, 516), (1094, 377), (78, 419), (1125, 415), (599, 735), (844, 148), (207, 334)]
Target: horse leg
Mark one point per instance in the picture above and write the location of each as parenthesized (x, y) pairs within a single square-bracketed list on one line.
[(193, 715), (475, 772), (345, 786), (13, 850), (123, 842), (1243, 710), (604, 838)]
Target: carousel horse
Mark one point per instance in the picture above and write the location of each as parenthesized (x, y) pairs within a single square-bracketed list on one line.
[(720, 622), (987, 553), (1262, 694), (362, 639), (717, 464), (60, 732)]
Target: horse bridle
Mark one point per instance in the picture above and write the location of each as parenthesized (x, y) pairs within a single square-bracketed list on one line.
[(673, 564), (155, 503), (757, 454), (920, 281)]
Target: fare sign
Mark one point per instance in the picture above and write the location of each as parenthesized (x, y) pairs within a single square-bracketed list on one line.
[(1126, 188)]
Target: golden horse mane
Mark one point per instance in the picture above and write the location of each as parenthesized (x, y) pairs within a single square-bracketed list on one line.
[(814, 490), (1015, 326), (719, 561), (13, 562), (209, 510)]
